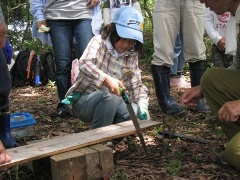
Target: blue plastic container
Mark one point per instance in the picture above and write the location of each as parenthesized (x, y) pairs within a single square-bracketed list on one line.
[(21, 119)]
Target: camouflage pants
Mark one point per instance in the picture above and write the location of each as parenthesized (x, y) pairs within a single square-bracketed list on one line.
[(220, 85), (220, 59)]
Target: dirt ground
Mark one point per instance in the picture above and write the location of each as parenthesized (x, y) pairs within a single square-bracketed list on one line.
[(171, 157)]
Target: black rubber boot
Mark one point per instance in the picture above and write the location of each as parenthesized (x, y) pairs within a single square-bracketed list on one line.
[(197, 69), (162, 87), (5, 134)]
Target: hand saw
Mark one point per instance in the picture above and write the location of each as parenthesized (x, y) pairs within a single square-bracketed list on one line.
[(134, 119)]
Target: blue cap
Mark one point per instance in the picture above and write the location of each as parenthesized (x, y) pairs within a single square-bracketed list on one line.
[(129, 23)]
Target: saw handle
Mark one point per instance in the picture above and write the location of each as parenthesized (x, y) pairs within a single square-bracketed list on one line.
[(124, 96)]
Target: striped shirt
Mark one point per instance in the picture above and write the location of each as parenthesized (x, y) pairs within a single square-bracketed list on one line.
[(67, 10), (100, 60)]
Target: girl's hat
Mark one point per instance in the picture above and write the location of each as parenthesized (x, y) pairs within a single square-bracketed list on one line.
[(129, 23)]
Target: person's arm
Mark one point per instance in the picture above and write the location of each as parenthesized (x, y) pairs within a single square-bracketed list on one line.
[(3, 30), (139, 92), (91, 73), (192, 95), (209, 26), (36, 10), (106, 13), (4, 156), (92, 3)]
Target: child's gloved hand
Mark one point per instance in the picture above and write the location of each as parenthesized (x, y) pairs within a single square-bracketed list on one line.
[(143, 113), (71, 98)]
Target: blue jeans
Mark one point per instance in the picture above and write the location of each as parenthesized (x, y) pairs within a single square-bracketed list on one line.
[(178, 60), (100, 108), (62, 34)]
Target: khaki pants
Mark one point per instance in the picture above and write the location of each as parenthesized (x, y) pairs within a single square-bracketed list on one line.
[(170, 17), (220, 85)]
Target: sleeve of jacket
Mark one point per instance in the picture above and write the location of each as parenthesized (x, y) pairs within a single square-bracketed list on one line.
[(36, 9), (209, 26), (137, 89), (89, 71)]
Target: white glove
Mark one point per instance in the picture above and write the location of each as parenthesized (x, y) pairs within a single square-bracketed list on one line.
[(43, 29), (143, 113), (106, 16)]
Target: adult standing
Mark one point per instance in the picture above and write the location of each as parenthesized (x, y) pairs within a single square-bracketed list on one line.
[(168, 17), (68, 19)]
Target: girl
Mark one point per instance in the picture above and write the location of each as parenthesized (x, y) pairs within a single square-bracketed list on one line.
[(109, 62)]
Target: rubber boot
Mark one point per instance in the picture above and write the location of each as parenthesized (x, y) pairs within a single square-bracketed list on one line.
[(197, 69), (162, 87), (5, 134)]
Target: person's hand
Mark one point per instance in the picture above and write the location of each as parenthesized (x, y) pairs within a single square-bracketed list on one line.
[(42, 27), (113, 85), (191, 96), (4, 156), (142, 112), (230, 111), (3, 34), (92, 3), (221, 44)]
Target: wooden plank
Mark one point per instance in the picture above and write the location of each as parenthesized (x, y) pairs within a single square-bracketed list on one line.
[(70, 142)]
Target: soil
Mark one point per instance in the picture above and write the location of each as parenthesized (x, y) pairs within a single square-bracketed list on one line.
[(171, 157)]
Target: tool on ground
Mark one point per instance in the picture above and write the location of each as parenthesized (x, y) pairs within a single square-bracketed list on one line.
[(190, 138), (134, 119)]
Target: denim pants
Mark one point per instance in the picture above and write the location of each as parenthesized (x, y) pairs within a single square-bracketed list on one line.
[(63, 33), (5, 83), (178, 60), (100, 108)]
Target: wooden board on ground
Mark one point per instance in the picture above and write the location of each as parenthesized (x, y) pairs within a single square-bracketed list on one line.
[(70, 142)]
